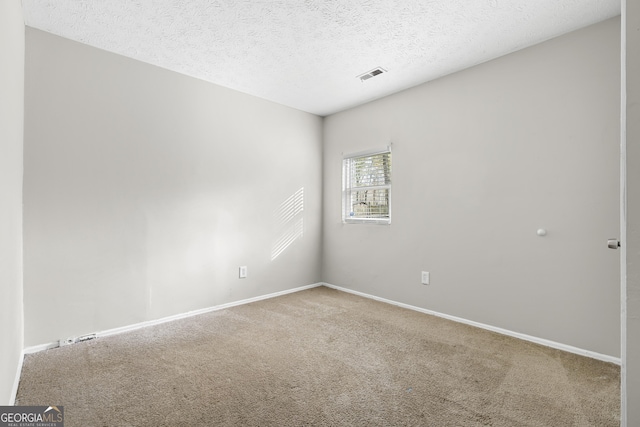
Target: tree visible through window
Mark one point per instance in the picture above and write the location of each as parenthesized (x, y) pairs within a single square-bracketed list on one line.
[(366, 184)]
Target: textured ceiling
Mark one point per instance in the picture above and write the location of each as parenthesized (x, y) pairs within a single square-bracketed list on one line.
[(307, 53)]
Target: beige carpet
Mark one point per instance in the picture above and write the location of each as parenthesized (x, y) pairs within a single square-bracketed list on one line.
[(319, 358)]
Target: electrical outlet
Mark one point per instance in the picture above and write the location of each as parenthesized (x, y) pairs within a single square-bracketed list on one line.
[(425, 277), (67, 341), (243, 272)]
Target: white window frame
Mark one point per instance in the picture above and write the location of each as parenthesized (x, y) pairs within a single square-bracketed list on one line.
[(349, 187)]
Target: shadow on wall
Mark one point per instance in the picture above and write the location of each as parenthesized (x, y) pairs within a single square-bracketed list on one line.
[(289, 223)]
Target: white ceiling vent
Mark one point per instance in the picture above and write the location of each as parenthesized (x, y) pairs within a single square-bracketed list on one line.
[(372, 73)]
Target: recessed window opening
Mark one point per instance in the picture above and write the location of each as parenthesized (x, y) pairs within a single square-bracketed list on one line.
[(366, 188)]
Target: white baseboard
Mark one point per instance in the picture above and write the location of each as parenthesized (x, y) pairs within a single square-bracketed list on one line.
[(525, 337), (16, 381), (40, 347), (133, 327)]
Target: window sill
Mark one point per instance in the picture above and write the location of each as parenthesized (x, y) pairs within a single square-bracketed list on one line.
[(367, 221)]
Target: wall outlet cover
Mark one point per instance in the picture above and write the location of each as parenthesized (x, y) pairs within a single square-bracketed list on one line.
[(67, 341), (425, 277)]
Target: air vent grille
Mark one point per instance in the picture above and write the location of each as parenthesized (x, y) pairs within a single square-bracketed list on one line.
[(372, 73)]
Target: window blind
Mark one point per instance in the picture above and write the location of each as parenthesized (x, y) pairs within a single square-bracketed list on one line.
[(367, 188)]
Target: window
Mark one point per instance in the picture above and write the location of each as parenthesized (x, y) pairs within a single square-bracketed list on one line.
[(366, 188)]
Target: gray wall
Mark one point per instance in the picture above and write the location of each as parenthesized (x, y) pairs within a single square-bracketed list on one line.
[(482, 159), (11, 133), (632, 239), (145, 190)]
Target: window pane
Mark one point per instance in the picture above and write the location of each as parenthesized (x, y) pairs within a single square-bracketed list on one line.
[(367, 188), (369, 204), (370, 171)]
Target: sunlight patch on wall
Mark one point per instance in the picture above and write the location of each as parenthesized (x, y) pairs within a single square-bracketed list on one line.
[(289, 223)]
